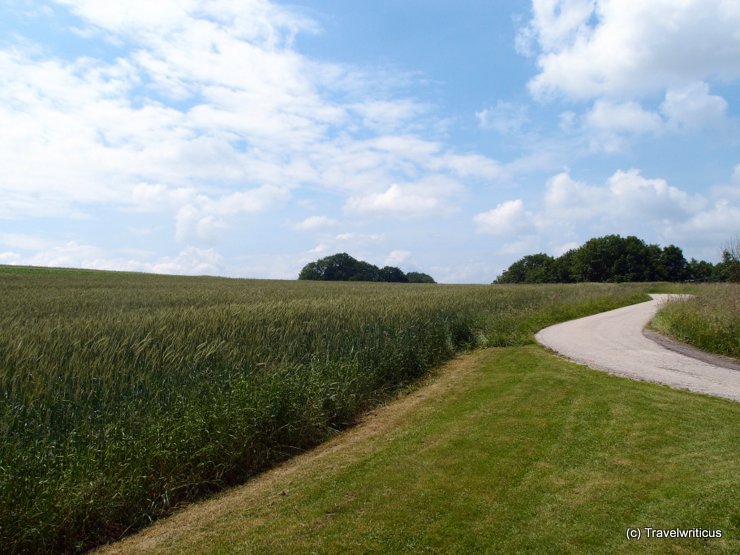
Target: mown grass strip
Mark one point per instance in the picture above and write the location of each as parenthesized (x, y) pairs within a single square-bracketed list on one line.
[(513, 450)]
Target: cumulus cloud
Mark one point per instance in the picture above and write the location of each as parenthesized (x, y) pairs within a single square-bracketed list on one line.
[(73, 254), (206, 112), (593, 48), (360, 237), (395, 200), (693, 107), (608, 124), (507, 218), (626, 116), (154, 197), (314, 223), (191, 261), (629, 203), (205, 217), (626, 196), (397, 257), (426, 198)]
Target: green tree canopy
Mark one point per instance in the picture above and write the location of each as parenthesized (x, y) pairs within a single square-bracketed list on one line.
[(343, 267), (419, 277), (614, 258), (533, 268)]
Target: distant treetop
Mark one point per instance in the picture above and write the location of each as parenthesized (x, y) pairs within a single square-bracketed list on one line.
[(343, 267), (614, 258)]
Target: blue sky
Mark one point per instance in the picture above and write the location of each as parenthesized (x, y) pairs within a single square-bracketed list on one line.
[(247, 138)]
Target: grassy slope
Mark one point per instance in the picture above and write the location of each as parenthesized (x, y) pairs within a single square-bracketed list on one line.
[(509, 450), (710, 320)]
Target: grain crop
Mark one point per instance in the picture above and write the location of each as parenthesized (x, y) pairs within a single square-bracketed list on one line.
[(125, 395)]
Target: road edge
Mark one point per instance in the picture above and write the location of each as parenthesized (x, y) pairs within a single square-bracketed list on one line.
[(691, 351)]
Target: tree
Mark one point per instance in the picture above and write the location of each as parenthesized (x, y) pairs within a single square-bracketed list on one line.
[(673, 265), (311, 271), (615, 258), (730, 265), (338, 267), (533, 268), (343, 267), (598, 259), (419, 277), (393, 275), (563, 267), (365, 271), (699, 270)]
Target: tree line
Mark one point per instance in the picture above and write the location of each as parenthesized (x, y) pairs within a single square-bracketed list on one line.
[(613, 258), (343, 267)]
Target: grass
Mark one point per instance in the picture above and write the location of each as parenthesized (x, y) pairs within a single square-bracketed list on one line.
[(509, 450), (125, 395), (710, 320)]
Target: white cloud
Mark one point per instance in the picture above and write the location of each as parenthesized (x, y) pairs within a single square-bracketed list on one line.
[(631, 204), (12, 258), (508, 218), (597, 48), (23, 241), (72, 254), (191, 261), (207, 117), (206, 217), (396, 257), (314, 223), (426, 198), (506, 118), (388, 116), (360, 237), (520, 246), (565, 247), (626, 117), (201, 108), (395, 200), (320, 249), (626, 203), (192, 224), (608, 124), (627, 196), (151, 197), (692, 107)]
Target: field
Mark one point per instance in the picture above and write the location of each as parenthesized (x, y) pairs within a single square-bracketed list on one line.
[(710, 320), (504, 450), (126, 395)]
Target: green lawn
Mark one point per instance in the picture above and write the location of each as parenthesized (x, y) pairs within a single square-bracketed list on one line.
[(508, 450)]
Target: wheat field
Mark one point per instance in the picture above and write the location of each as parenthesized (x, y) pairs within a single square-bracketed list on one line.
[(125, 395)]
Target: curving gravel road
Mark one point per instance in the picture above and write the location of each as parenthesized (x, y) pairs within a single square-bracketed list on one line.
[(614, 342)]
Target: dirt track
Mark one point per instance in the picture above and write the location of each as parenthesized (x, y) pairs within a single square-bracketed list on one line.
[(614, 342)]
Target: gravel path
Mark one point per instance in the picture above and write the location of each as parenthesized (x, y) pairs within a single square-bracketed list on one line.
[(614, 342)]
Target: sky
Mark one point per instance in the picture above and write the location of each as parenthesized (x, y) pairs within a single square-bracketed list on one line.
[(247, 138)]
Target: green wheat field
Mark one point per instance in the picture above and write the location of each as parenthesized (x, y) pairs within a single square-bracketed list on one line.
[(125, 396)]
